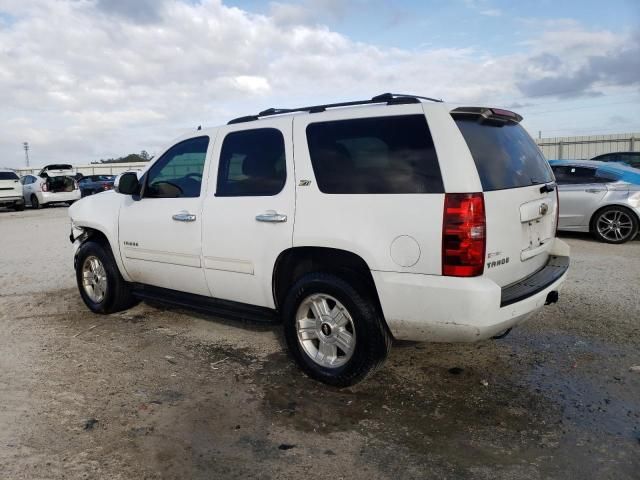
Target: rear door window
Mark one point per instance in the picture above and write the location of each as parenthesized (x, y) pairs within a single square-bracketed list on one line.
[(568, 175), (8, 176), (505, 155), (374, 155)]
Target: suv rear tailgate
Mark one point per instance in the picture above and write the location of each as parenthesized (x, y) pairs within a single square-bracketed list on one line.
[(519, 193), (520, 232)]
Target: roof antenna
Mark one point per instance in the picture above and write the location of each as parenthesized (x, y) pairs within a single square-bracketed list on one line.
[(199, 127)]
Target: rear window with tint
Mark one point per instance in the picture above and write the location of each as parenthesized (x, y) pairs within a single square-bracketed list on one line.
[(505, 155), (8, 176), (374, 155)]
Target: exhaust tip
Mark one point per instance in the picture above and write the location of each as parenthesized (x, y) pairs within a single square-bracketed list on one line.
[(552, 298)]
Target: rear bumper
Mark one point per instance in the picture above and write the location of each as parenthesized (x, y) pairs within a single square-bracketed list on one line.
[(449, 309), (14, 200), (52, 197)]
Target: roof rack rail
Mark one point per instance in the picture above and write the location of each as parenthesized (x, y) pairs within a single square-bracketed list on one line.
[(388, 98)]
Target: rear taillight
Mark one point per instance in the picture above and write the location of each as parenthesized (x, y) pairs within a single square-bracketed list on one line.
[(463, 235), (45, 187)]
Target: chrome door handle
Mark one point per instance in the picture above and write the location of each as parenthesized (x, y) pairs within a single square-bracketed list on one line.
[(184, 217), (271, 216)]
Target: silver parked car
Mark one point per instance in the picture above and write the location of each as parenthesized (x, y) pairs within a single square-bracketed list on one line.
[(598, 197)]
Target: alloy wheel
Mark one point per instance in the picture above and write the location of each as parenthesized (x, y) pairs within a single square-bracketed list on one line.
[(94, 279), (325, 330), (614, 225)]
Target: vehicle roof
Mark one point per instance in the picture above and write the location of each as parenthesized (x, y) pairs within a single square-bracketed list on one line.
[(626, 152), (378, 102)]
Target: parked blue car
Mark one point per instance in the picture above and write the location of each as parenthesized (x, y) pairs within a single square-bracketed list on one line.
[(91, 184)]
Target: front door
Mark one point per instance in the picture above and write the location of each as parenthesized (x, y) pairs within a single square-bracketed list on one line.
[(160, 233), (248, 220)]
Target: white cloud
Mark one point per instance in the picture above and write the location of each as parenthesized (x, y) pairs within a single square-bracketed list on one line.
[(86, 79)]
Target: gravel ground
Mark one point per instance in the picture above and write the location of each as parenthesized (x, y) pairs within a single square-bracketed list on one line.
[(157, 392)]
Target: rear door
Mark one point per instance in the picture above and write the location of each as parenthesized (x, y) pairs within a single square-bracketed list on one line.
[(248, 212), (519, 194), (29, 187)]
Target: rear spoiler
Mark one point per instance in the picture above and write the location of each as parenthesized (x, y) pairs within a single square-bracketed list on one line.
[(497, 115)]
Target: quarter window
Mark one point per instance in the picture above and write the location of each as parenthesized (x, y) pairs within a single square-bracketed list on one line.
[(374, 155), (178, 173), (252, 163)]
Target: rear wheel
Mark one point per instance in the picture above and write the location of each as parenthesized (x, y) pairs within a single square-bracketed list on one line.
[(35, 203), (615, 225), (334, 332), (101, 286)]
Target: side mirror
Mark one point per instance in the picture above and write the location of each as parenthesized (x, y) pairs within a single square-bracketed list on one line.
[(127, 183)]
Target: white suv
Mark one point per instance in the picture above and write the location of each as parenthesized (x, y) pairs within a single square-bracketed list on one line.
[(10, 190), (397, 217)]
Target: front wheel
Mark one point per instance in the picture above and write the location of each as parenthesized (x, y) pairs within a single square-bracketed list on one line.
[(334, 332), (101, 286), (615, 225)]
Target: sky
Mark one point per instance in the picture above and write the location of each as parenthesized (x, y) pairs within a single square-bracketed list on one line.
[(82, 80)]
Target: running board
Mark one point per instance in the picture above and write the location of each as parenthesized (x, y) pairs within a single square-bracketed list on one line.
[(212, 306)]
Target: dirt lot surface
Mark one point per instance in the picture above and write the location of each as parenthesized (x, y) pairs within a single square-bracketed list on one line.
[(158, 392)]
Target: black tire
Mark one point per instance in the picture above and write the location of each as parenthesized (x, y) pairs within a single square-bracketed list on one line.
[(626, 234), (118, 294), (18, 207), (35, 203), (373, 340)]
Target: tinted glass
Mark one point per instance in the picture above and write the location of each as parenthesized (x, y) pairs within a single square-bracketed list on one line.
[(632, 159), (252, 163), (607, 157), (605, 177), (178, 173), (568, 175), (374, 155), (9, 176), (505, 155)]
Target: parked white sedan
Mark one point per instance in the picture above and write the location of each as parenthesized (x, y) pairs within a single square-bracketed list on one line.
[(54, 183)]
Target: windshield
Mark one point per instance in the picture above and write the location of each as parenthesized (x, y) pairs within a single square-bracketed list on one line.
[(505, 155)]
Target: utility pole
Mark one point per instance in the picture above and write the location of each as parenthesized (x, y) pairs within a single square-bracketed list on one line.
[(25, 145)]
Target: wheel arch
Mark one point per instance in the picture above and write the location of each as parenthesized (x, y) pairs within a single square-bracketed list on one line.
[(96, 234), (295, 262), (600, 209)]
